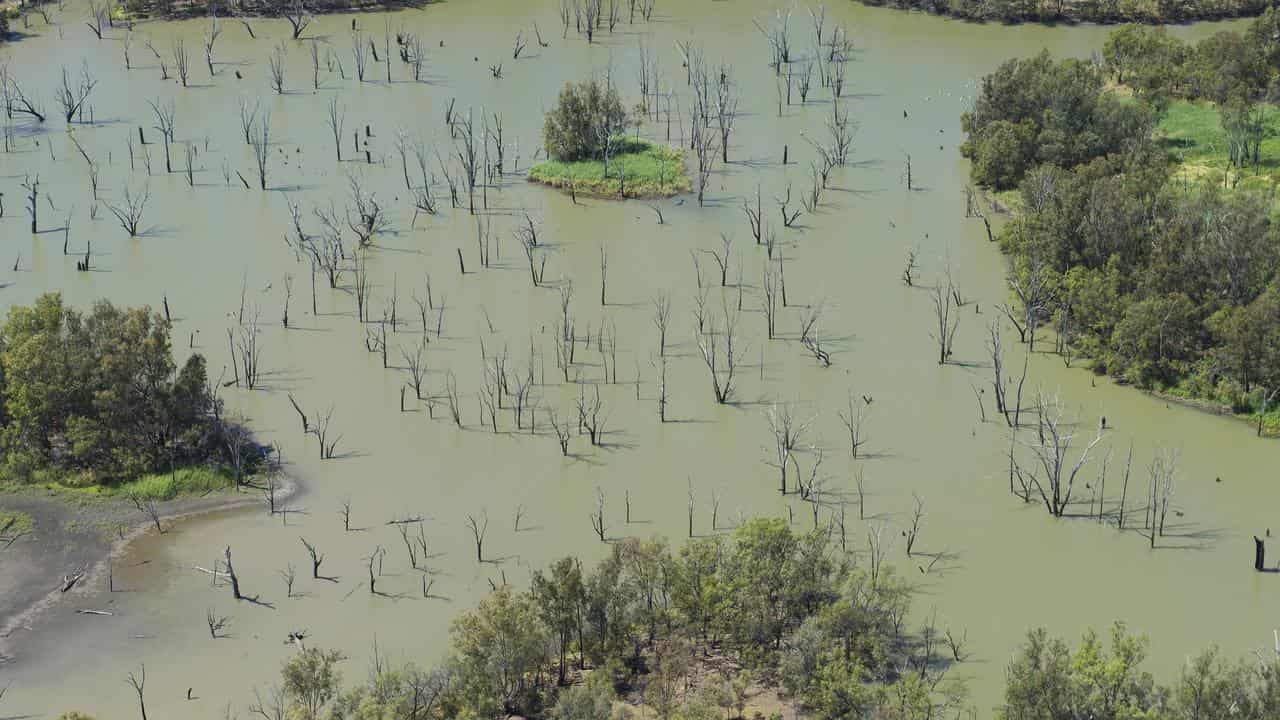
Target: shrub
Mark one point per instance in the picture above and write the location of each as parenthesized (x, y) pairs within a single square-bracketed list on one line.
[(586, 115)]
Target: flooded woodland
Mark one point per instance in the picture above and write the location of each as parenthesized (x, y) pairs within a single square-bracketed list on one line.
[(214, 246)]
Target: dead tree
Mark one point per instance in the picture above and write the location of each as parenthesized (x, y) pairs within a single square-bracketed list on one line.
[(288, 575), (947, 320), (18, 102), (769, 299), (777, 33), (1035, 295), (335, 118), (709, 343), (589, 414), (788, 432), (365, 216), (99, 17), (597, 517), (604, 272), (561, 430), (467, 149), (723, 257), (358, 52), (1163, 471), (71, 97), (181, 59), (479, 527), (139, 684), (316, 559), (416, 364), (231, 573), (661, 319), (276, 68), (726, 110), (167, 125), (1053, 477), (298, 17), (148, 507), (211, 39), (217, 623), (248, 118), (248, 349), (853, 419), (129, 212), (917, 519), (320, 427)]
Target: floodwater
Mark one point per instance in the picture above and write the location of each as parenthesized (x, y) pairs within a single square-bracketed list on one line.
[(1008, 567)]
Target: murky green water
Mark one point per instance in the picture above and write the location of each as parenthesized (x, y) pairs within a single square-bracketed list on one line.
[(1012, 567)]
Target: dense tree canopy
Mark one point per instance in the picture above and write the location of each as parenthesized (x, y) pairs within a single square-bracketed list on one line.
[(1037, 111), (1046, 681), (767, 599), (1159, 281), (1141, 11), (585, 120), (98, 394)]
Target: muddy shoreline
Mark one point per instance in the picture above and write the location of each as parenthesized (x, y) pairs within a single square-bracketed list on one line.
[(81, 537)]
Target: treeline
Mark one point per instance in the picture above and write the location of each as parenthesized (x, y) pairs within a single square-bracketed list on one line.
[(1099, 11), (1046, 680), (267, 8), (1159, 281), (96, 397), (690, 633)]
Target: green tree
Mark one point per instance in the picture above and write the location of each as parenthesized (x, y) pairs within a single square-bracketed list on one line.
[(497, 649), (592, 700), (585, 119), (311, 680), (559, 595)]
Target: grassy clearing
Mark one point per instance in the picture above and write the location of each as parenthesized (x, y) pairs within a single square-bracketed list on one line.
[(14, 522), (186, 482), (1193, 135), (641, 169)]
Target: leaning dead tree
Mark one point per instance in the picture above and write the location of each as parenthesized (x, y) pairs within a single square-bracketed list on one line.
[(17, 102), (71, 96), (777, 32), (138, 682)]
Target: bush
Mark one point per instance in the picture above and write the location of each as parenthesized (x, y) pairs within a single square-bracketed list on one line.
[(587, 116)]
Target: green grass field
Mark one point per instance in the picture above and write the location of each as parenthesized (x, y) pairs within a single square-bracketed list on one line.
[(186, 482), (641, 169), (1193, 135)]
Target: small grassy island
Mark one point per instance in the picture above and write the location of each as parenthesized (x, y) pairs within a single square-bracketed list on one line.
[(639, 169), (588, 151)]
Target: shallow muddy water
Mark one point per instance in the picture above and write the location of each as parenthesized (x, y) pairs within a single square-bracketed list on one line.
[(1009, 566)]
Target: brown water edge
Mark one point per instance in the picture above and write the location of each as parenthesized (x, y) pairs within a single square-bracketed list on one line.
[(1009, 566), (26, 566)]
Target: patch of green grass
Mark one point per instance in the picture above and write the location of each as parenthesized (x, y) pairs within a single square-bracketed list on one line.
[(640, 169), (1193, 135), (186, 482), (14, 522)]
